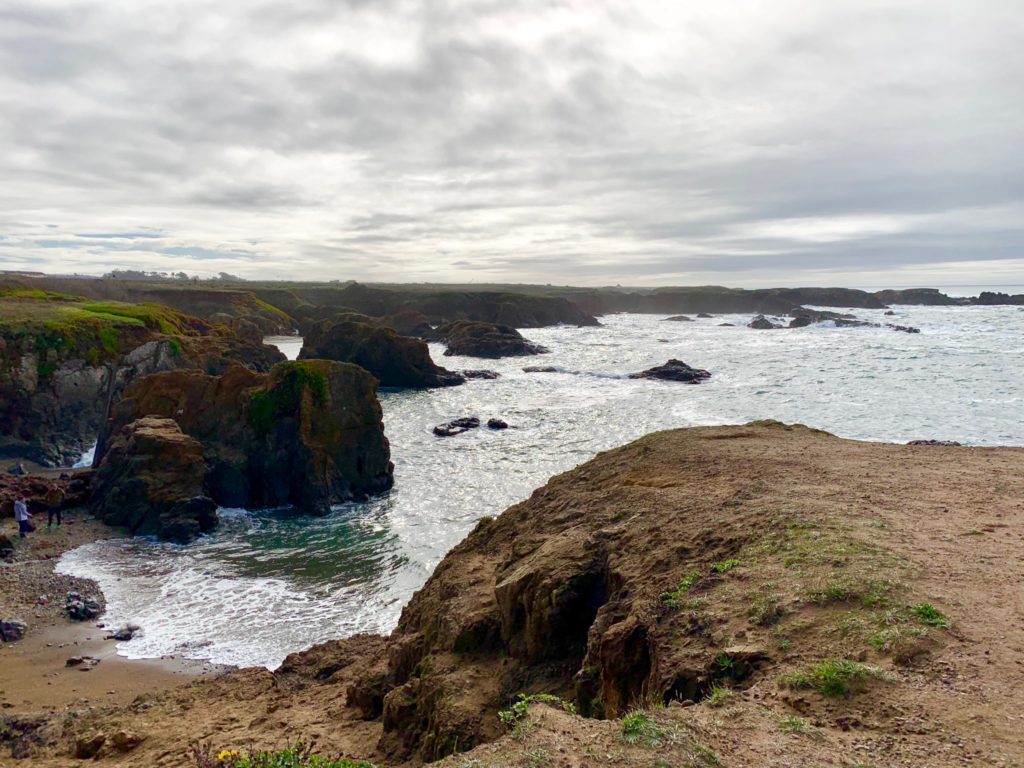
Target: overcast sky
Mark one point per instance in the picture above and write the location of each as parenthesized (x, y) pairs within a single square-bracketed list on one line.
[(847, 142)]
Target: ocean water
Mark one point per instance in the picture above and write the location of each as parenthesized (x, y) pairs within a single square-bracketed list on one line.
[(271, 582)]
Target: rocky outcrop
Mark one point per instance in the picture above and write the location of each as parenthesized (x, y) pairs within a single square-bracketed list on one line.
[(396, 361), (308, 433), (674, 370), (60, 371), (762, 323), (457, 426), (802, 317), (151, 480), (490, 340)]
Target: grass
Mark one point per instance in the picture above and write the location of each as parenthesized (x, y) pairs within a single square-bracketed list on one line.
[(677, 597), (290, 380), (834, 678), (765, 610), (929, 615), (640, 729), (719, 696), (298, 756), (793, 724), (516, 717), (725, 566)]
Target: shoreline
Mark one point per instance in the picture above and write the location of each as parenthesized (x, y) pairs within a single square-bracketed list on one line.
[(34, 675)]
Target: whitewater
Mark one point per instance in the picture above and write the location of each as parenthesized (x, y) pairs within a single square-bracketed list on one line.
[(271, 582)]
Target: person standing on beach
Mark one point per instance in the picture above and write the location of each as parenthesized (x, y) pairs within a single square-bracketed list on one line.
[(54, 499), (22, 515)]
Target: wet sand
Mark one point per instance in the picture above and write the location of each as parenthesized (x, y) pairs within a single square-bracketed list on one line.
[(34, 676)]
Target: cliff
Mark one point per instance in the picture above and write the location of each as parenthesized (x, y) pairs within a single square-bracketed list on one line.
[(63, 360), (307, 433), (724, 596)]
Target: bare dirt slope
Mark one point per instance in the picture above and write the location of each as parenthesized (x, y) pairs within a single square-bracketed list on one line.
[(742, 596)]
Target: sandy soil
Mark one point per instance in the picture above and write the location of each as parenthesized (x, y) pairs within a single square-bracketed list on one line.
[(34, 676)]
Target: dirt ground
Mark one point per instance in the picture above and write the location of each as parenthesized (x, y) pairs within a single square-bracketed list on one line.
[(905, 563)]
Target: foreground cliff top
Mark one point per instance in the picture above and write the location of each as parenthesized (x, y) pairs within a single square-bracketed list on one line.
[(757, 595)]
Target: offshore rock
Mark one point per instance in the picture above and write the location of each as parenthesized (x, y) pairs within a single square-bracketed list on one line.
[(679, 319), (151, 481), (457, 426), (481, 374), (762, 323), (308, 433), (674, 370), (396, 361), (490, 340)]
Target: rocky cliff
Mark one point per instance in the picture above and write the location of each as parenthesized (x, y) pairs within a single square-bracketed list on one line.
[(307, 433), (64, 360), (395, 361)]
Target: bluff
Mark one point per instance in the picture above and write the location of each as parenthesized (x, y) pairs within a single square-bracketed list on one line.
[(307, 433), (64, 360), (396, 361)]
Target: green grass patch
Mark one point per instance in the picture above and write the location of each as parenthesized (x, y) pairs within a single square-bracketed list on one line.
[(640, 729), (282, 398), (719, 696), (677, 597), (520, 708), (929, 615), (834, 678), (725, 566)]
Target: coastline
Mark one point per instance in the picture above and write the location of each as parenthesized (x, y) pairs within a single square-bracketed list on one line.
[(34, 676)]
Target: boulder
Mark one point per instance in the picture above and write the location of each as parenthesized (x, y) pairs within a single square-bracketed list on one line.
[(81, 608), (151, 480), (497, 424), (947, 443), (490, 340), (457, 426), (12, 630), (674, 370), (396, 361), (679, 319), (762, 323), (125, 633), (308, 433)]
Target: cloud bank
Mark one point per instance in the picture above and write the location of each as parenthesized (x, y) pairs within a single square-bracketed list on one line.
[(854, 142)]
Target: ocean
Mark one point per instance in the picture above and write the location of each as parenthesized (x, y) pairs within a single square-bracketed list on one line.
[(271, 582)]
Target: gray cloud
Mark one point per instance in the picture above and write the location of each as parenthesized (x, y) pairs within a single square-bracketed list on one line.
[(853, 142)]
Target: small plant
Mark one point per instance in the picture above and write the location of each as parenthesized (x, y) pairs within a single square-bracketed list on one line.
[(725, 566), (640, 728), (719, 696), (677, 597), (928, 614), (793, 724), (537, 758), (832, 592), (834, 678), (765, 610), (521, 707), (703, 757), (299, 756), (893, 639)]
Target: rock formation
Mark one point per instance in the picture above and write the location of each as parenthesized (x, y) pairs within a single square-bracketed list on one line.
[(490, 340), (151, 480), (307, 433), (674, 370), (762, 323), (396, 361)]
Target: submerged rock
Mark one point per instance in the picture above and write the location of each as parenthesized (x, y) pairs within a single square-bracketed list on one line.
[(540, 369), (396, 361), (903, 328), (497, 424), (947, 443), (704, 315), (457, 426), (679, 319), (490, 340), (152, 481), (762, 323), (481, 374), (308, 433), (674, 370)]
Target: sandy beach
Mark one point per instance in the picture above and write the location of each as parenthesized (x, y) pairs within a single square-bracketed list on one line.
[(34, 674)]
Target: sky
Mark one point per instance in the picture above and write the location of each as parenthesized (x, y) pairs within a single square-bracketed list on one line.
[(865, 143)]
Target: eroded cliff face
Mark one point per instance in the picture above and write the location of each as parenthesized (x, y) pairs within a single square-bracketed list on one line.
[(307, 433), (57, 381)]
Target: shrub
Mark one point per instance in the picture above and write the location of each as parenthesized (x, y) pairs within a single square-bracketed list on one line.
[(299, 756), (834, 678), (928, 614), (640, 728)]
